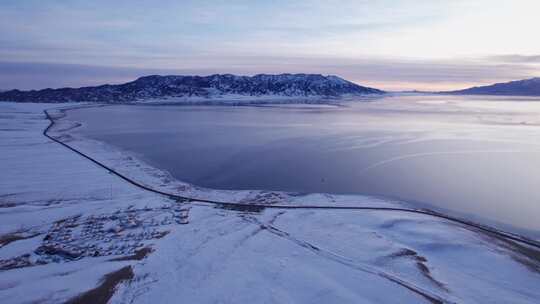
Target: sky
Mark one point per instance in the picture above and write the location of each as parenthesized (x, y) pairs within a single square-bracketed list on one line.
[(388, 44)]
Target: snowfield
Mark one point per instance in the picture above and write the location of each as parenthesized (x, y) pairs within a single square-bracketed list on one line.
[(72, 232)]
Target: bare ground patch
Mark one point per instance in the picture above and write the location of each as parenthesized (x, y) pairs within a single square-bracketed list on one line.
[(523, 254), (103, 293), (15, 236), (137, 256), (420, 264)]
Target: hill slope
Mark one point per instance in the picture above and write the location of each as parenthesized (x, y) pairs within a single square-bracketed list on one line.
[(527, 87), (213, 86)]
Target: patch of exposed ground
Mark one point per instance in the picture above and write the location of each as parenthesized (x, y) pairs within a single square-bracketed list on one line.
[(15, 236), (126, 233), (265, 197), (420, 264), (16, 262), (137, 256), (242, 208), (42, 203), (523, 254), (5, 200), (103, 293)]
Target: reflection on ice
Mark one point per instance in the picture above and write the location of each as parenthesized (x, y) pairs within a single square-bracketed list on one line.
[(473, 155)]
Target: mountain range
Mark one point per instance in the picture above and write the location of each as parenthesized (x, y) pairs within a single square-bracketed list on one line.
[(527, 87), (203, 87)]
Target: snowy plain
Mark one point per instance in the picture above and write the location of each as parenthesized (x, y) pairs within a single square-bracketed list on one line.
[(67, 224)]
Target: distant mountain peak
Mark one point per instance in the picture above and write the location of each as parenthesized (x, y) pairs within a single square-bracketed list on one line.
[(525, 87), (201, 87)]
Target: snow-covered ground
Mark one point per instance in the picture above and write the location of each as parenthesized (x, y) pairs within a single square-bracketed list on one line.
[(70, 231)]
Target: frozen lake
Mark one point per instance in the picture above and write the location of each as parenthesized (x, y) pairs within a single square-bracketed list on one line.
[(474, 155)]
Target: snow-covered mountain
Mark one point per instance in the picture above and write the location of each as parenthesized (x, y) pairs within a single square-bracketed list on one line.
[(213, 86), (527, 87)]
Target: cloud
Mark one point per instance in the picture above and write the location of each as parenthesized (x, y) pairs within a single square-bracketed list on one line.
[(515, 58), (109, 29), (388, 74), (27, 76), (370, 42), (402, 74)]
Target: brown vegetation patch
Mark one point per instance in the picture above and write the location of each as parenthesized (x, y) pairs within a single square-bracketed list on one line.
[(103, 293), (420, 264), (16, 262), (15, 236)]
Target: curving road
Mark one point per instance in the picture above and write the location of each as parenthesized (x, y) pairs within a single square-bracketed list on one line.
[(244, 206)]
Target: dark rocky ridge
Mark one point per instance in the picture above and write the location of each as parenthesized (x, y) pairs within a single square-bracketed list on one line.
[(213, 86)]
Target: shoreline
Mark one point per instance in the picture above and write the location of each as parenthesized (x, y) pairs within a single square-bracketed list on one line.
[(282, 205), (130, 159)]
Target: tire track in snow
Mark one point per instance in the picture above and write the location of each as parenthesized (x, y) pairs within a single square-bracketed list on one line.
[(327, 254)]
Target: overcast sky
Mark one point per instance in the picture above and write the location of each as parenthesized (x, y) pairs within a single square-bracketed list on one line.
[(389, 44)]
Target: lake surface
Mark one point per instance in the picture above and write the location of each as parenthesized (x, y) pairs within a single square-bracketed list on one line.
[(475, 155)]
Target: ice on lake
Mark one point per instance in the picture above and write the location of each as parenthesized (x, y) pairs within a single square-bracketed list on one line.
[(473, 155)]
